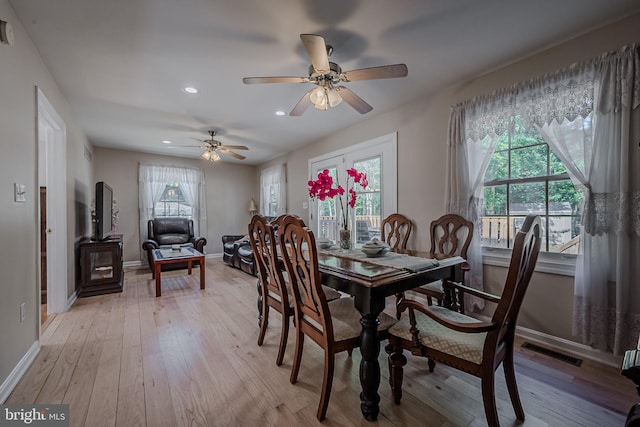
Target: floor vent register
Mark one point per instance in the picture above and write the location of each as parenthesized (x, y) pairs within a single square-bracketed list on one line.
[(552, 353)]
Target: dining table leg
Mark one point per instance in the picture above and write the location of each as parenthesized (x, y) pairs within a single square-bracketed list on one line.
[(370, 350)]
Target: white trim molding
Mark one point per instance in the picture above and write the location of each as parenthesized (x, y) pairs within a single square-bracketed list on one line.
[(548, 262), (575, 349), (20, 369), (562, 345)]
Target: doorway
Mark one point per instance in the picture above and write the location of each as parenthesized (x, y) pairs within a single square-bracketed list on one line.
[(52, 141), (378, 158)]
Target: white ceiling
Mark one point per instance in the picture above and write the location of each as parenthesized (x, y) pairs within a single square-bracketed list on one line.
[(122, 63)]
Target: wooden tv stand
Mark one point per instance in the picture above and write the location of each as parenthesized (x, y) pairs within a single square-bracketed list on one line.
[(101, 266)]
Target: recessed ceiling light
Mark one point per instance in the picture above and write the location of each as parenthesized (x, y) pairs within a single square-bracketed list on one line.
[(166, 141), (280, 113), (189, 89)]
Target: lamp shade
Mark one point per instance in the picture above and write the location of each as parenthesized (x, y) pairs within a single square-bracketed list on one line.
[(252, 207)]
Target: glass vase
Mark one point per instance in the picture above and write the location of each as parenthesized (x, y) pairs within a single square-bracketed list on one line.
[(345, 240)]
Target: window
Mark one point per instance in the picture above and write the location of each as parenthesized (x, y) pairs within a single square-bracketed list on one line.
[(273, 191), (368, 207), (524, 176), (173, 203)]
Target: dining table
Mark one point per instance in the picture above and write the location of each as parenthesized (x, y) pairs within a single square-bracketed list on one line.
[(370, 281)]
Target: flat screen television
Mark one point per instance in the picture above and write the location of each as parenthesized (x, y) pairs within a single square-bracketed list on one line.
[(104, 214)]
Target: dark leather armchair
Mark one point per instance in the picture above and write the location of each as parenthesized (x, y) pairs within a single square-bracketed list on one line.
[(168, 231)]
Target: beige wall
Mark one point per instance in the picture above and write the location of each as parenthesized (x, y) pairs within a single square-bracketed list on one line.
[(229, 188), (422, 135), (22, 69)]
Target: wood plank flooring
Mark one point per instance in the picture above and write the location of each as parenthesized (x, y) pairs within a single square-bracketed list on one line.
[(190, 358)]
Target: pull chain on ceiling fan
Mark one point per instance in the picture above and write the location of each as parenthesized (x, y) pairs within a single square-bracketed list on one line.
[(326, 75)]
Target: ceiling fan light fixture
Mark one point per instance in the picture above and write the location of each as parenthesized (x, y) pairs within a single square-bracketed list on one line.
[(333, 97), (319, 98), (206, 155), (214, 157)]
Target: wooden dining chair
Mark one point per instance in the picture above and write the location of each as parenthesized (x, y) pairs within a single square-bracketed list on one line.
[(329, 293), (395, 231), (465, 343), (335, 325), (451, 235), (273, 288), (271, 282)]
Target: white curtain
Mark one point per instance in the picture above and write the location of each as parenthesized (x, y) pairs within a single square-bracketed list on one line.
[(476, 126), (607, 295), (152, 180), (467, 160), (599, 148), (273, 181)]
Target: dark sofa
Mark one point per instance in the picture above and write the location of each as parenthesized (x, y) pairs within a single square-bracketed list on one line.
[(164, 232), (237, 252)]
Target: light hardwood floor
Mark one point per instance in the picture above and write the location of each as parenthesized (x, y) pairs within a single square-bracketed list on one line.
[(190, 358)]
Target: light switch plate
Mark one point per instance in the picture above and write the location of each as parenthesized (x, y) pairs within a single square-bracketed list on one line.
[(20, 192)]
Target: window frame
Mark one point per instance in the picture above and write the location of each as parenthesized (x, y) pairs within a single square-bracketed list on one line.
[(177, 185), (548, 262), (386, 147)]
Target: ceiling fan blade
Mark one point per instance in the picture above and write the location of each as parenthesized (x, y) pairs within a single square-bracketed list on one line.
[(301, 105), (382, 72), (354, 100), (231, 153), (279, 79), (317, 51), (235, 147), (185, 146)]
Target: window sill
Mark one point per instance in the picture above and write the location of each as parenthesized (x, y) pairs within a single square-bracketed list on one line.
[(553, 263)]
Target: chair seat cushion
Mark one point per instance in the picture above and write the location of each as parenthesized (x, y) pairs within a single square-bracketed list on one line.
[(172, 239), (346, 319), (433, 335)]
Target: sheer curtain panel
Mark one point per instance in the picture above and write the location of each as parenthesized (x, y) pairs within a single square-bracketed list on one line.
[(273, 191), (590, 117), (607, 295), (152, 180)]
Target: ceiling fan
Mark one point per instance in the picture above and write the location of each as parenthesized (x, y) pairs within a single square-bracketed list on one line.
[(326, 75), (213, 148)]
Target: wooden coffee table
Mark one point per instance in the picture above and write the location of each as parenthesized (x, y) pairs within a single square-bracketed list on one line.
[(169, 256)]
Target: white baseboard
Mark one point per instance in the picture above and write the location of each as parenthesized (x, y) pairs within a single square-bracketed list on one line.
[(574, 349), (21, 368), (71, 300), (562, 345), (132, 264)]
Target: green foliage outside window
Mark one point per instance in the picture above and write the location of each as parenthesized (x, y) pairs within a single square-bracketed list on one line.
[(525, 176)]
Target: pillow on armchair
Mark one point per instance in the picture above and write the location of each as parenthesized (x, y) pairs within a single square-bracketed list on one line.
[(164, 232)]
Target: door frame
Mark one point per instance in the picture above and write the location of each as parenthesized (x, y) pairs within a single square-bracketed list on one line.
[(386, 146), (52, 167)]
